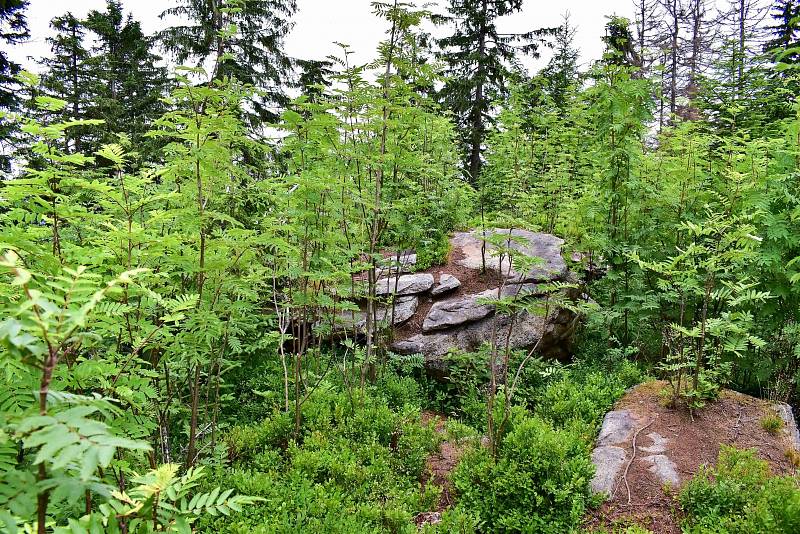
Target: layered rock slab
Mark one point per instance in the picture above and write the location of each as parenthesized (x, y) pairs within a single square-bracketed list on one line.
[(447, 283), (407, 284), (457, 311), (542, 252)]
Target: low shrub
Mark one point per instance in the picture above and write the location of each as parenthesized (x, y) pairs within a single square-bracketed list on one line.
[(539, 482), (740, 495), (772, 423), (585, 394)]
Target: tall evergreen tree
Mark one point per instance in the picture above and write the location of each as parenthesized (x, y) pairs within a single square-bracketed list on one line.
[(13, 30), (785, 30), (561, 72), (479, 59), (314, 77), (126, 81), (66, 75), (253, 53)]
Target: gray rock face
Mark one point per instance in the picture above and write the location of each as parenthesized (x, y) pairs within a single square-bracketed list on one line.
[(608, 463), (447, 283), (610, 453), (618, 427), (458, 311), (525, 331), (785, 412), (544, 249), (392, 266), (404, 309), (407, 284), (663, 468), (466, 321), (453, 312), (659, 443)]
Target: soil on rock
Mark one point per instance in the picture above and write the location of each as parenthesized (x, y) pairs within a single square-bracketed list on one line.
[(472, 281), (665, 436)]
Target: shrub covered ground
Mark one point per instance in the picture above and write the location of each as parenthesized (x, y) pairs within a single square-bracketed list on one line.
[(356, 462)]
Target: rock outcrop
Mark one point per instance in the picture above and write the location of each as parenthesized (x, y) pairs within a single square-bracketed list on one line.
[(447, 283), (406, 284), (452, 306), (544, 251), (460, 317)]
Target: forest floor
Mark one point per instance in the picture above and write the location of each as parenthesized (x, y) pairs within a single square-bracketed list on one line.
[(691, 442), (438, 467)]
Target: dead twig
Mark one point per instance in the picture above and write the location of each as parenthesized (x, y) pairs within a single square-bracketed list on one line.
[(633, 456)]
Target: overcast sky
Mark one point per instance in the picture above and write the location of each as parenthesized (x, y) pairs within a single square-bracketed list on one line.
[(319, 23)]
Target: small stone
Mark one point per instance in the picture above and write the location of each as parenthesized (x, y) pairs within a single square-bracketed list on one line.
[(447, 282), (407, 284), (608, 462)]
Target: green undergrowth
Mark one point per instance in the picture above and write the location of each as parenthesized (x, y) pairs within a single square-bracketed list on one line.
[(740, 496), (356, 462)]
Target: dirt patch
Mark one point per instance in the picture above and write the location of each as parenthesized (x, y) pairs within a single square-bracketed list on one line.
[(692, 441), (438, 467)]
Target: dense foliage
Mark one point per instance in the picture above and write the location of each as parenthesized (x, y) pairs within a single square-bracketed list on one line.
[(184, 250)]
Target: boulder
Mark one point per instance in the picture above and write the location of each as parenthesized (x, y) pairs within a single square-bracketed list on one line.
[(447, 283), (543, 249), (524, 331), (453, 312), (404, 309), (407, 284), (392, 265), (786, 413)]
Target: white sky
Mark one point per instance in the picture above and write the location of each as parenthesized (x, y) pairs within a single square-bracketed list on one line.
[(320, 23)]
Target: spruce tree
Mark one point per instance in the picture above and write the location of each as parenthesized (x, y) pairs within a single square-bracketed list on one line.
[(785, 30), (314, 77), (253, 53), (13, 30), (561, 73), (479, 59), (126, 81), (66, 75)]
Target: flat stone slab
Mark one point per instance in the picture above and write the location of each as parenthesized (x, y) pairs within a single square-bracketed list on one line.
[(544, 248), (664, 468), (391, 265), (608, 462), (407, 284), (524, 331), (618, 427), (404, 309), (447, 283), (659, 443), (453, 312)]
